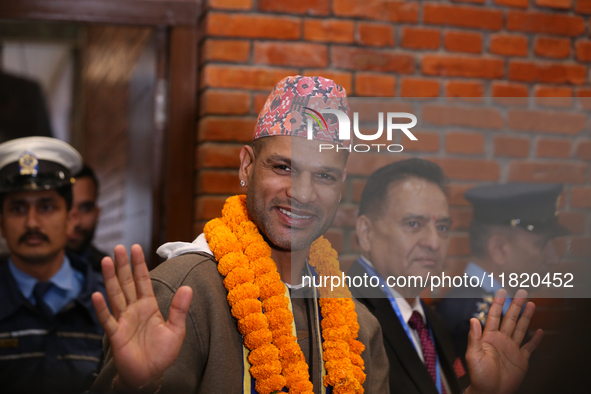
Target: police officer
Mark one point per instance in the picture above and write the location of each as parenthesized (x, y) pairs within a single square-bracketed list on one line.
[(50, 338), (511, 233)]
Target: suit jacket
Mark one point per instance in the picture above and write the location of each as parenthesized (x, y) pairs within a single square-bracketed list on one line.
[(408, 373), (211, 357)]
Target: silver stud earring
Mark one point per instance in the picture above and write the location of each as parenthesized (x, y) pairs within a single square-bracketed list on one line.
[(242, 183)]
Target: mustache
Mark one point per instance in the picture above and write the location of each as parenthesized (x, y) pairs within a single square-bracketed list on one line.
[(28, 234)]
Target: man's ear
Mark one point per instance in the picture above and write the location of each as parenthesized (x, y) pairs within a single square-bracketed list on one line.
[(497, 249), (247, 160), (364, 230)]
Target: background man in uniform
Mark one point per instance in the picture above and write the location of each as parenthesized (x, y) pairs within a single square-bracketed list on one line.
[(512, 232), (85, 214), (50, 337), (402, 229)]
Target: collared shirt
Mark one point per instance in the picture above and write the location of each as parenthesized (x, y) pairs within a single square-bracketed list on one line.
[(67, 284), (473, 269), (406, 310)]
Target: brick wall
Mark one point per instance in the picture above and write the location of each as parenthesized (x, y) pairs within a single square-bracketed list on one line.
[(531, 51)]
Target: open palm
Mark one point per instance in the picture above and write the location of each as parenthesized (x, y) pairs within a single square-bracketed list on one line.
[(496, 360), (142, 343)]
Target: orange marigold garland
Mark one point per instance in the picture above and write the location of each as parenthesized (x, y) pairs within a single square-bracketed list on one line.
[(254, 286)]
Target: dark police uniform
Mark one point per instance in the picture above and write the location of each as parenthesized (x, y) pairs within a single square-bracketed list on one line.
[(49, 355), (532, 207), (50, 336)]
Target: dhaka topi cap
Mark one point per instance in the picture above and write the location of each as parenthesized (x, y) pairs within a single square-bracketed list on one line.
[(533, 207), (37, 163), (297, 100)]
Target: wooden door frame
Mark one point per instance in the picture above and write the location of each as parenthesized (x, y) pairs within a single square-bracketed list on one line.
[(174, 186)]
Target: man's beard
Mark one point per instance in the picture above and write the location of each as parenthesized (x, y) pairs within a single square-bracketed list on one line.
[(82, 245), (261, 216)]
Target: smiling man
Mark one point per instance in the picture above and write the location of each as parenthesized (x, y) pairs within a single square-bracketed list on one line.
[(403, 233), (246, 331), (48, 327)]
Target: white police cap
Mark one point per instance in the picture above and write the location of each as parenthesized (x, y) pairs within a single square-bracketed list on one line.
[(37, 163)]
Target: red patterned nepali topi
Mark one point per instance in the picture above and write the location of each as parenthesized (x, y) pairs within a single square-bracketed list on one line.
[(296, 101)]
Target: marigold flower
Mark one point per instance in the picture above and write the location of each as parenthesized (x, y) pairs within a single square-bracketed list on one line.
[(265, 371), (231, 261), (258, 338), (246, 307), (238, 276), (279, 317), (257, 250), (252, 322), (263, 266), (356, 346), (240, 292), (275, 302), (267, 386), (263, 354)]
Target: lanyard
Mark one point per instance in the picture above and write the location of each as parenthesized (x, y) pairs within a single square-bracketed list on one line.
[(385, 288)]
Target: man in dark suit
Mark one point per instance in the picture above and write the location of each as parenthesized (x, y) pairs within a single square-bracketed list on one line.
[(402, 230), (85, 214), (512, 233)]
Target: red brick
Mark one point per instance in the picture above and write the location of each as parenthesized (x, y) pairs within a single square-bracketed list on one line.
[(557, 48), (340, 77), (525, 71), (469, 67), (464, 89), (420, 38), (584, 98), (481, 118), (554, 96), (374, 85), (470, 1), (213, 155), (213, 128), (559, 4), (426, 142), (243, 77), (419, 87), (583, 6), (328, 30), (574, 221), (580, 246), (459, 245), (375, 34), (230, 4), (371, 60), (219, 182), (226, 50), (580, 197), (511, 147), (513, 3), (259, 101), (253, 26), (310, 7), (510, 93), (464, 143), (583, 50), (469, 169), (461, 218), (584, 150), (508, 44), (209, 207), (547, 23), (455, 194), (546, 121), (365, 164), (225, 102), (393, 11), (459, 41), (346, 216), (546, 172), (473, 17), (335, 237), (559, 149), (290, 54)]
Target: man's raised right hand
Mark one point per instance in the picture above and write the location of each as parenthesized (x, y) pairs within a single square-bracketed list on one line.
[(142, 343)]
